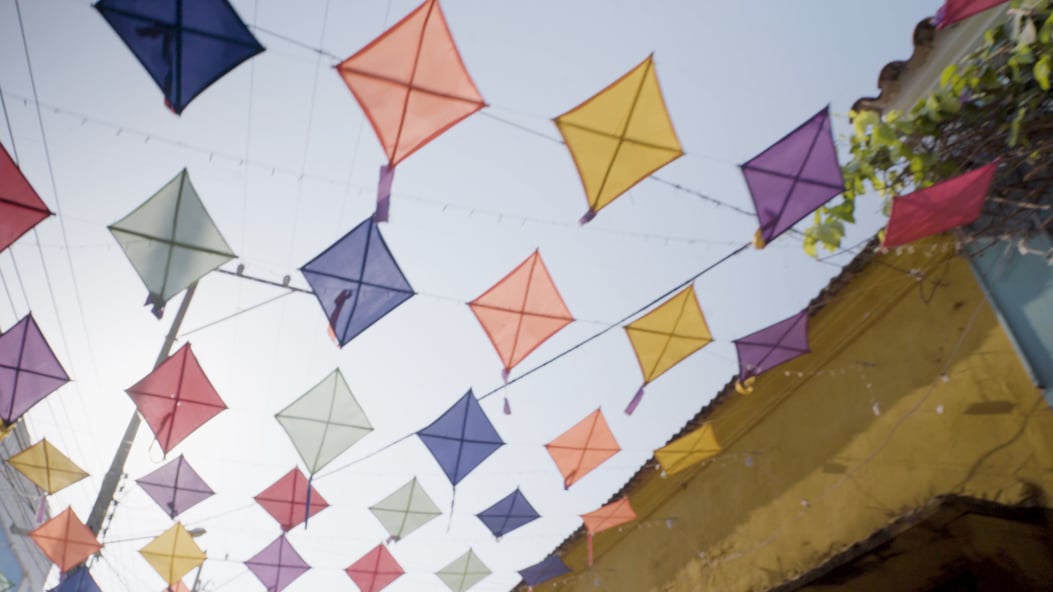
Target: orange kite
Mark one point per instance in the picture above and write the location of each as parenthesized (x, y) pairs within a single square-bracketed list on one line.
[(412, 84), (65, 540), (521, 311), (583, 447), (609, 516)]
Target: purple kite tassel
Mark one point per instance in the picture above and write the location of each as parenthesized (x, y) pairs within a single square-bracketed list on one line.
[(42, 507), (635, 402), (589, 215), (157, 307), (508, 408), (391, 539), (504, 374), (387, 176)]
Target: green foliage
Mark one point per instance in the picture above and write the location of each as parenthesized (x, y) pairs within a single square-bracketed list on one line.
[(995, 102)]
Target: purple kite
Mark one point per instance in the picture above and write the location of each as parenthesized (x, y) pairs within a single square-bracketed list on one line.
[(277, 565), (774, 345), (29, 370), (508, 514), (795, 176), (176, 487), (185, 46), (462, 438), (78, 580), (357, 281), (543, 571)]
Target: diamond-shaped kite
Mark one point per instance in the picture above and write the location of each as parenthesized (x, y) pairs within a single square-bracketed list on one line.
[(508, 514), (939, 208), (613, 514), (462, 438), (29, 370), (176, 487), (582, 448), (411, 82), (665, 336), (521, 311), (405, 510), (793, 177), (375, 570), (185, 46), (277, 565), (176, 398), (357, 281), (171, 241), (688, 450), (953, 11), (173, 554), (620, 136), (20, 207), (324, 422), (291, 500), (6, 585), (45, 466), (65, 540), (78, 580), (464, 572), (777, 344), (543, 571)]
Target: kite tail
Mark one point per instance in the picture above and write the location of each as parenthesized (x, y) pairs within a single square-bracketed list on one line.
[(5, 428), (589, 215), (391, 539), (387, 176), (307, 505), (453, 499), (745, 387), (589, 544), (635, 402), (758, 240), (42, 507), (508, 407), (157, 306)]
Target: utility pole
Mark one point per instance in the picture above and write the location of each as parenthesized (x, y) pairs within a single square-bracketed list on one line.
[(113, 475)]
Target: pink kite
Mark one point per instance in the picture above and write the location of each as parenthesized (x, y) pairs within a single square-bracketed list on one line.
[(952, 203)]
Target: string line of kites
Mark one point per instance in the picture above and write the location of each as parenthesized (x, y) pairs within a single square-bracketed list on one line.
[(412, 84)]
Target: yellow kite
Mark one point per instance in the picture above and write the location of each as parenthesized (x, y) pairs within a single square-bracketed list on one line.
[(667, 335), (44, 465), (173, 554), (688, 450), (620, 136)]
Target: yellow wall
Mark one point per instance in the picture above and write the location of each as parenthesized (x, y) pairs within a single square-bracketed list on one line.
[(808, 467)]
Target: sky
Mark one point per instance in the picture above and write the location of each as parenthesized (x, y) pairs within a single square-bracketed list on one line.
[(282, 157)]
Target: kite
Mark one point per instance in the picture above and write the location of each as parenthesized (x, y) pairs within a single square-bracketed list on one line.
[(375, 570), (171, 241), (29, 370), (543, 571), (412, 85), (357, 281), (6, 585), (324, 422), (939, 208), (78, 580), (178, 587), (688, 450), (173, 554), (277, 565), (953, 11), (620, 136), (46, 467), (793, 177), (184, 46), (609, 516), (521, 311), (761, 351), (508, 514), (405, 510), (176, 398), (20, 206), (65, 540), (291, 500), (665, 336), (583, 447), (176, 487), (464, 572), (462, 438)]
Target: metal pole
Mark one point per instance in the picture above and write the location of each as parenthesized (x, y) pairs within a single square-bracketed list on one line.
[(113, 476)]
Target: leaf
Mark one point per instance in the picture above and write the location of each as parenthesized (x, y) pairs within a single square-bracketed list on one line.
[(1014, 127), (1042, 69), (948, 72)]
